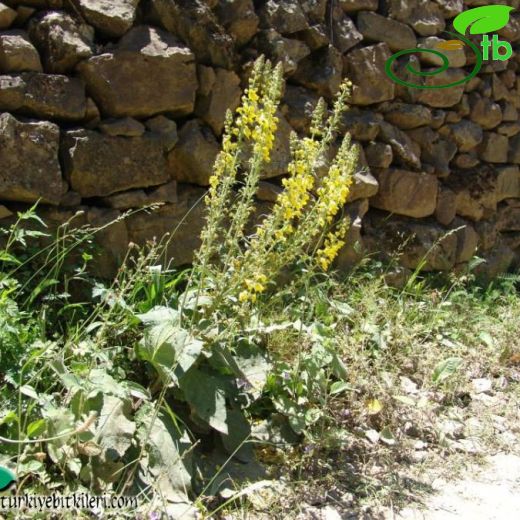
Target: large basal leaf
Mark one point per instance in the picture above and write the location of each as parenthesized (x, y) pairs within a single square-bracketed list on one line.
[(235, 441), (482, 20), (116, 429), (159, 315), (170, 349), (165, 469), (206, 395)]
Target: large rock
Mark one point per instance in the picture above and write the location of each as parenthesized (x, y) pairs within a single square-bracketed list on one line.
[(466, 134), (7, 16), (286, 16), (379, 155), (62, 40), (507, 183), (110, 239), (364, 185), (406, 193), (509, 217), (17, 53), (29, 157), (403, 147), (195, 23), (343, 31), (288, 51), (406, 116), (351, 6), (298, 104), (140, 198), (97, 165), (514, 150), (375, 27), (239, 18), (435, 151), (476, 194), (149, 72), (47, 96), (484, 112), (192, 159), (456, 57), (442, 97), (427, 19), (494, 148), (219, 92), (110, 17), (446, 209), (178, 226), (362, 125), (321, 71), (366, 69), (467, 240), (428, 244)]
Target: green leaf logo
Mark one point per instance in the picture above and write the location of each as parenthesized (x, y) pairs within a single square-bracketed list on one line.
[(7, 478), (482, 20)]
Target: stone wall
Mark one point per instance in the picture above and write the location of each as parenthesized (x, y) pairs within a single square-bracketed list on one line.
[(107, 105)]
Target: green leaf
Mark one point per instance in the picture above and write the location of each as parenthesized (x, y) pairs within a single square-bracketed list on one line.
[(36, 428), (446, 369), (7, 258), (205, 393), (164, 467), (239, 430), (338, 387), (116, 428), (159, 315), (482, 20), (29, 391), (170, 349)]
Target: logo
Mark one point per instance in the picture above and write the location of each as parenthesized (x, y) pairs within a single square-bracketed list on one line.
[(7, 478), (481, 20)]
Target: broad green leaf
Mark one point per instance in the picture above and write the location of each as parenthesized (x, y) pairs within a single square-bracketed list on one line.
[(164, 467), (159, 315), (170, 349), (482, 20), (235, 442), (115, 428), (206, 395), (36, 428), (29, 391), (446, 369), (338, 387)]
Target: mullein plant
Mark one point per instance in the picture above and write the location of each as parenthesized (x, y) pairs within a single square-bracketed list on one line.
[(234, 267)]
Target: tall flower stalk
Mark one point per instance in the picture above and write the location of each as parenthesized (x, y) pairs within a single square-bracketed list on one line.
[(304, 219)]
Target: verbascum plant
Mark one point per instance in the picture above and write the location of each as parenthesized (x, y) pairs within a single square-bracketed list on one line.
[(303, 223)]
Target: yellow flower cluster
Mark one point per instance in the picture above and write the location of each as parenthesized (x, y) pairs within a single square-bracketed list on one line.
[(335, 187), (296, 195), (253, 287), (333, 243)]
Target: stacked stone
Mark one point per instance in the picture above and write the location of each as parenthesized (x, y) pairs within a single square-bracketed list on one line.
[(110, 105)]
